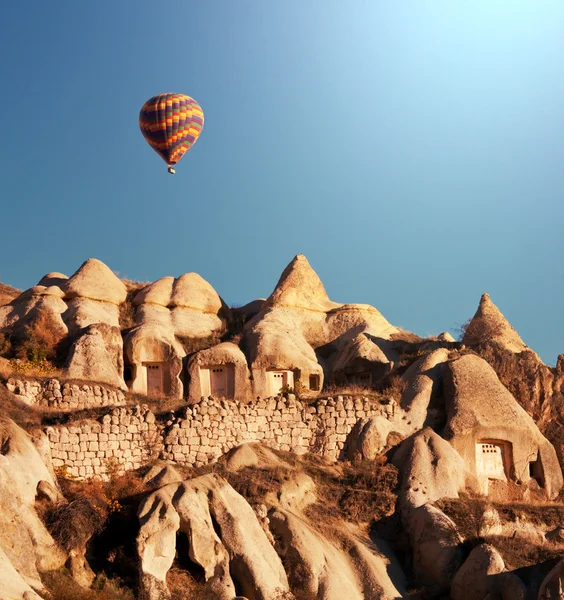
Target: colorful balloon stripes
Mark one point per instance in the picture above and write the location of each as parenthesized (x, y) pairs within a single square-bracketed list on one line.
[(171, 124)]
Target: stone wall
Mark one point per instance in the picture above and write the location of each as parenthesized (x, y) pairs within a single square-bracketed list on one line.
[(126, 438), (51, 393), (130, 437), (211, 428)]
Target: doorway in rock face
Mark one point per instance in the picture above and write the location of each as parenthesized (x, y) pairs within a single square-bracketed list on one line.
[(492, 459), (536, 471), (314, 383), (277, 379), (361, 379), (154, 378), (217, 381)]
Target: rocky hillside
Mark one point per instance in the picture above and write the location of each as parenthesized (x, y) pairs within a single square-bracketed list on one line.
[(158, 444)]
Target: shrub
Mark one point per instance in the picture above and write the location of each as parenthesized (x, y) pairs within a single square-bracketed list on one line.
[(8, 293), (63, 587), (90, 504), (5, 345), (183, 585), (127, 308)]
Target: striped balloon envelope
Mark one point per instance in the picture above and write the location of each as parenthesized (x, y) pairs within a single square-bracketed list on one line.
[(171, 124)]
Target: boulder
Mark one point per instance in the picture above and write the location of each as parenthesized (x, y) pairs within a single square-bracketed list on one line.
[(369, 437), (473, 581), (97, 355), (296, 493), (241, 457), (315, 566), (54, 279), (430, 469), (445, 336), (187, 307), (161, 474), (481, 576), (437, 546), (342, 564), (82, 312), (357, 318), (39, 310), (360, 354), (95, 281)]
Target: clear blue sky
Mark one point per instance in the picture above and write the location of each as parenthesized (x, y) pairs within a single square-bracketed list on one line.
[(413, 151)]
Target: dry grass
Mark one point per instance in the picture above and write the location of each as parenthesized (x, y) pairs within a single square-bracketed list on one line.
[(406, 336), (333, 390), (62, 587), (90, 503), (518, 550), (183, 585), (8, 293), (359, 493), (23, 415), (127, 308)]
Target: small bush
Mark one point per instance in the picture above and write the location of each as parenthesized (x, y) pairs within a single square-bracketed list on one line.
[(127, 308), (90, 504), (63, 587), (8, 293), (183, 585), (40, 340), (5, 345)]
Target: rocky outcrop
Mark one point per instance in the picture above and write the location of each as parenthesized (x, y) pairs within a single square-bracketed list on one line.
[(422, 396), (40, 306), (552, 587), (360, 354), (480, 410), (224, 536), (430, 469), (482, 576), (370, 437), (188, 306), (12, 584), (95, 281), (97, 355), (24, 541), (299, 317), (437, 546), (490, 326), (93, 295), (520, 369)]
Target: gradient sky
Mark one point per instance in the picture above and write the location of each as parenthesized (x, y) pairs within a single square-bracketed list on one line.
[(412, 150)]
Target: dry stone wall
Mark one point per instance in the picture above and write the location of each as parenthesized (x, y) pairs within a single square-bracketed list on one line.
[(200, 433), (124, 439), (51, 393), (211, 428)]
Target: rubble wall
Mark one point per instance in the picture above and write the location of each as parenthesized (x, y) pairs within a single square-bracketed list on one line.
[(199, 434)]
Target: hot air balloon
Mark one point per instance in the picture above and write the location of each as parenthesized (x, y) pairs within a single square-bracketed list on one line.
[(171, 124)]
